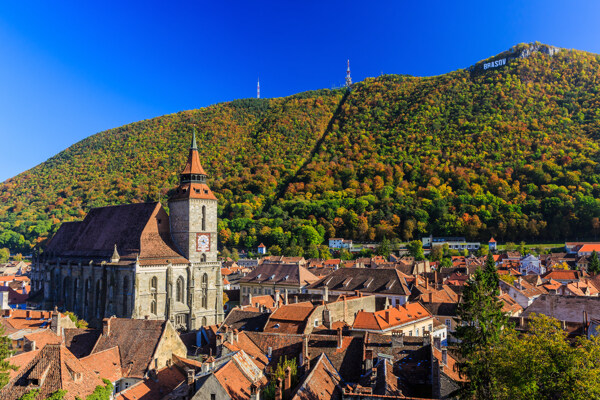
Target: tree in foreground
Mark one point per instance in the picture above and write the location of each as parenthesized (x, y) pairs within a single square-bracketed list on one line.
[(415, 248), (5, 353), (480, 324), (543, 364), (594, 266)]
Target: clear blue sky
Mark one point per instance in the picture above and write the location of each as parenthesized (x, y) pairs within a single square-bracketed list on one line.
[(69, 69)]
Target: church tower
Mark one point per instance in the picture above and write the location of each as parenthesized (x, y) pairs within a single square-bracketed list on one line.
[(193, 212)]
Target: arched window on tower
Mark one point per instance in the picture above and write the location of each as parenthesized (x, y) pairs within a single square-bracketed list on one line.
[(153, 307), (153, 284), (203, 258), (125, 295), (203, 218), (153, 294), (179, 290), (204, 287)]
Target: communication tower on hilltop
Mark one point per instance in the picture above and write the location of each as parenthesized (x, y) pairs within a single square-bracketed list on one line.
[(348, 77), (258, 89)]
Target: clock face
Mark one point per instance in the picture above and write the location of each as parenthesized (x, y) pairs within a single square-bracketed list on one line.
[(202, 242)]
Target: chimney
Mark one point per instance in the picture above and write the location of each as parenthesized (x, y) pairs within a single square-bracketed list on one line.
[(340, 339), (435, 277), (305, 355), (190, 376), (55, 324), (397, 340), (296, 299), (426, 283), (279, 389), (430, 297), (33, 347), (235, 336), (437, 342), (445, 356), (106, 326), (270, 352), (287, 383), (325, 293), (4, 300), (277, 296), (254, 391), (387, 316), (285, 297), (250, 298)]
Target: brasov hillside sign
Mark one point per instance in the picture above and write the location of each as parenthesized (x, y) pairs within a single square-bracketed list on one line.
[(495, 64)]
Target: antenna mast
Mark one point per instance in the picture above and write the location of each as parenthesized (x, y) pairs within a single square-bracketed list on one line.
[(348, 77), (258, 89)]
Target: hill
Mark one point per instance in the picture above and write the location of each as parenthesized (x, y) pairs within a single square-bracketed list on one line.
[(507, 147)]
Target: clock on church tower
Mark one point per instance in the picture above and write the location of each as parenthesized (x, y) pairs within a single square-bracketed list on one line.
[(193, 212)]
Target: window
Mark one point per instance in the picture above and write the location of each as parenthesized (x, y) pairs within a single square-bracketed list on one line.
[(213, 396), (448, 323), (203, 258), (153, 284), (203, 218), (417, 332), (153, 307), (430, 327), (316, 323), (179, 290), (125, 295), (204, 287), (410, 333)]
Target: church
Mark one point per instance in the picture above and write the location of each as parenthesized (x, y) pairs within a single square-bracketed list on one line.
[(137, 261)]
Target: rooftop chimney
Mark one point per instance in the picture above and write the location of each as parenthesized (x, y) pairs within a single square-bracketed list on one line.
[(254, 391), (285, 297), (279, 389), (287, 383), (250, 298), (325, 294), (4, 300), (445, 356), (437, 342), (55, 323), (106, 326), (340, 339), (397, 339)]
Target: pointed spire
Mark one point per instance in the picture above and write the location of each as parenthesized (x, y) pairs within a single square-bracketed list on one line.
[(194, 146), (115, 257)]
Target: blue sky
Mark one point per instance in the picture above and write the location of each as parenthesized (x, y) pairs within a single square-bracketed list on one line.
[(70, 69)]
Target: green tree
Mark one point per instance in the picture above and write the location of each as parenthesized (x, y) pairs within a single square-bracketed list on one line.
[(479, 327), (436, 253), (522, 249), (384, 248), (594, 266), (415, 248), (275, 250), (312, 251), (325, 253), (234, 254), (345, 254), (446, 262), (483, 251), (542, 363), (4, 254), (5, 353), (225, 253)]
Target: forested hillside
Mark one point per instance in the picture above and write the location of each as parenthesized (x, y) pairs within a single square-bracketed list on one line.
[(510, 152)]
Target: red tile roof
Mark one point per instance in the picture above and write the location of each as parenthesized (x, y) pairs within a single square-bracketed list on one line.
[(391, 317), (166, 381), (322, 383), (106, 364), (53, 368)]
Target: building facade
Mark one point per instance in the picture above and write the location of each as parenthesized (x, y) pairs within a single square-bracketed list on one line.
[(135, 261)]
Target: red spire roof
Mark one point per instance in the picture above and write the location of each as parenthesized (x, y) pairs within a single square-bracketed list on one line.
[(193, 165), (492, 240)]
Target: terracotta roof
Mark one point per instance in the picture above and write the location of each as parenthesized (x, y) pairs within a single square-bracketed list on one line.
[(193, 166), (43, 338), (238, 374), (53, 368), (261, 245), (25, 319), (281, 274), (492, 240), (137, 229), (562, 275), (322, 383), (246, 344), (106, 364), (20, 360), (245, 320), (451, 366), (81, 342), (167, 380), (291, 318), (193, 191), (589, 247), (367, 280), (509, 305), (390, 318), (136, 338)]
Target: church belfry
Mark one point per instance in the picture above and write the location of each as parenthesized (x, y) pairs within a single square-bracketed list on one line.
[(193, 212)]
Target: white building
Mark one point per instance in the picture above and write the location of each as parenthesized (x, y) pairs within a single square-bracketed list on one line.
[(337, 243)]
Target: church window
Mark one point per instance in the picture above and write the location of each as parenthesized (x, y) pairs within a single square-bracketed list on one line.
[(125, 294), (203, 218), (153, 307), (153, 284), (204, 287), (203, 321), (203, 258), (179, 290)]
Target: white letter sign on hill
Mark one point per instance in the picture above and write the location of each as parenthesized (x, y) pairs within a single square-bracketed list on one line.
[(495, 64)]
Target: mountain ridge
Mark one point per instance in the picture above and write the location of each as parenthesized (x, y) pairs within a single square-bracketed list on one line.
[(367, 179)]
